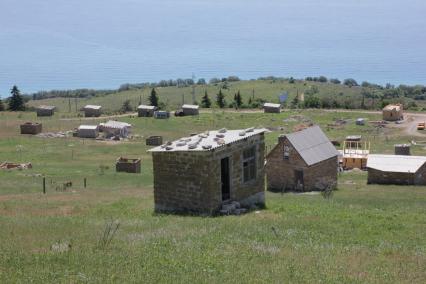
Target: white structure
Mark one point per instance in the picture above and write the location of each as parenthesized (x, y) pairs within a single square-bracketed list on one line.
[(92, 110), (272, 108), (115, 128), (146, 111)]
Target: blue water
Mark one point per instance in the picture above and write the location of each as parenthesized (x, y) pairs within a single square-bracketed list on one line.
[(65, 44)]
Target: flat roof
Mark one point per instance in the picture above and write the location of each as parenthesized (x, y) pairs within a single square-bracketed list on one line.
[(208, 140), (190, 106), (271, 105), (88, 127), (392, 107), (46, 107), (92, 107), (147, 107), (116, 124), (395, 163)]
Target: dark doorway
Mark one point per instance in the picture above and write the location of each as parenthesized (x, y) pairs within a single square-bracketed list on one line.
[(224, 176), (298, 178)]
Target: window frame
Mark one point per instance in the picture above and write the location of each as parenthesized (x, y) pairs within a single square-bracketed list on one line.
[(251, 166)]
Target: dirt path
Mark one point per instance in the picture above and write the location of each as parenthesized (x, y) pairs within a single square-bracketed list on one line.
[(99, 118)]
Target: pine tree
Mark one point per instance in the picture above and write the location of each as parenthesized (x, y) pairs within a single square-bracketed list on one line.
[(220, 99), (205, 101), (153, 98), (16, 102), (1, 105), (237, 99)]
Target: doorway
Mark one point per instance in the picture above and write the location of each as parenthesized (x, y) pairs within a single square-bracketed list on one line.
[(224, 176), (298, 179)]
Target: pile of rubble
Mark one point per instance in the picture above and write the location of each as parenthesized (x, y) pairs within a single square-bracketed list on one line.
[(232, 208), (12, 166), (55, 134)]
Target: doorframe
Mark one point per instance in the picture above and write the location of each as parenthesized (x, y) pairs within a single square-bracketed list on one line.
[(229, 178)]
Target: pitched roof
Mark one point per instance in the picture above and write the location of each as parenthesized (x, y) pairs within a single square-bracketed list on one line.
[(312, 145), (272, 105), (395, 163), (208, 140), (190, 106)]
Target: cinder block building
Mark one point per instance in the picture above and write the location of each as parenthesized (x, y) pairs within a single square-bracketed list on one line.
[(201, 173), (32, 128), (146, 111), (45, 110), (190, 109), (92, 111), (393, 112), (303, 161), (88, 131), (396, 169), (271, 108)]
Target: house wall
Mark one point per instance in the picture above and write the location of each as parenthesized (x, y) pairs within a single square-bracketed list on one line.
[(271, 109), (130, 166), (92, 112), (380, 177), (31, 128), (190, 111), (190, 181), (145, 113), (392, 115), (281, 172), (45, 112), (87, 133)]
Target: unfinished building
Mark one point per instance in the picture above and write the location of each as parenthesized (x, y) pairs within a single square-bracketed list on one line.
[(45, 110), (146, 111), (393, 112), (271, 108), (355, 153), (32, 128), (302, 161), (92, 111), (201, 173), (396, 169)]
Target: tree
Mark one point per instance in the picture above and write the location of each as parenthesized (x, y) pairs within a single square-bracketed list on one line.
[(126, 106), (153, 98), (335, 81), (201, 81), (205, 101), (1, 105), (350, 82), (237, 100), (16, 102), (220, 99)]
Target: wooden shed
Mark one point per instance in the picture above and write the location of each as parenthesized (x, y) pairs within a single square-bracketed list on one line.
[(396, 169), (92, 111), (45, 110), (128, 165), (32, 128), (302, 161), (146, 111), (271, 108), (190, 109), (88, 131), (202, 173), (393, 112)]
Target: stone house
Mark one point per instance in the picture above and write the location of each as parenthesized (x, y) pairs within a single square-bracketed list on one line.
[(190, 109), (396, 169), (304, 161), (146, 111), (45, 110), (128, 165), (32, 128), (88, 131), (92, 111), (393, 112), (201, 173), (271, 108)]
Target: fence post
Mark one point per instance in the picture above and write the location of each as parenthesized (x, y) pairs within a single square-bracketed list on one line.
[(44, 185), (85, 182)]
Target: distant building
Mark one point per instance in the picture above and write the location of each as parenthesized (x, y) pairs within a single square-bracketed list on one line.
[(203, 172), (360, 121), (32, 128), (92, 111), (154, 140), (304, 161), (271, 108), (88, 131), (355, 153), (396, 169), (161, 114), (128, 165), (146, 111), (45, 110), (393, 112), (115, 128), (190, 109)]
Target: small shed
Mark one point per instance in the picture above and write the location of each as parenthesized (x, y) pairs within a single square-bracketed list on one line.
[(146, 111), (202, 173), (396, 169), (88, 131), (92, 111), (115, 128), (161, 114), (32, 128), (393, 112), (303, 161), (45, 110), (154, 140), (190, 109), (360, 121), (128, 165), (271, 108), (402, 149)]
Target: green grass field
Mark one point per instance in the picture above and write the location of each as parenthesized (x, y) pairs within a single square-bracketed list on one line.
[(363, 234)]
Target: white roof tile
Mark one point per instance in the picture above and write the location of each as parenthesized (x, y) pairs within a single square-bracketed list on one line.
[(190, 106), (395, 163), (147, 107), (271, 105), (92, 107)]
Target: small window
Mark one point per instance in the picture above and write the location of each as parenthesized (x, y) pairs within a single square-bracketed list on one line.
[(249, 164), (286, 153)]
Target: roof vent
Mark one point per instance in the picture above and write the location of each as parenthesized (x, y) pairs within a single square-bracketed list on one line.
[(206, 147), (242, 133), (220, 135), (222, 130)]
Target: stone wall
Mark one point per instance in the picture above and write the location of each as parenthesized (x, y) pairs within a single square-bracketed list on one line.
[(190, 181), (280, 172), (31, 128), (92, 112), (380, 177), (128, 165)]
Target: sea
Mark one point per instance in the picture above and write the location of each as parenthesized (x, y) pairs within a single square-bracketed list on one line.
[(101, 44)]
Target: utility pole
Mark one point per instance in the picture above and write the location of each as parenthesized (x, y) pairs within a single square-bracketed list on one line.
[(193, 88), (69, 104)]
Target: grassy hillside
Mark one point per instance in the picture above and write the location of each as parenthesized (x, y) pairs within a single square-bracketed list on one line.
[(364, 233)]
